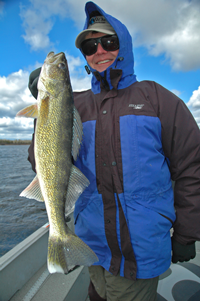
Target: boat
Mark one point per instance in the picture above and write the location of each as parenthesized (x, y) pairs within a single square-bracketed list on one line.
[(24, 275)]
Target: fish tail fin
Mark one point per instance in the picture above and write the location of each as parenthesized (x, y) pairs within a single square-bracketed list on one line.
[(67, 252)]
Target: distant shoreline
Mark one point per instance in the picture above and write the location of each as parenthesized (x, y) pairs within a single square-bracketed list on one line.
[(14, 142)]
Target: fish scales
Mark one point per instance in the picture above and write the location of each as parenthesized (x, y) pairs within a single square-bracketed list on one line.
[(58, 182)]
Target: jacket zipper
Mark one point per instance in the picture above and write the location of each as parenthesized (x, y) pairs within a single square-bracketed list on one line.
[(169, 219)]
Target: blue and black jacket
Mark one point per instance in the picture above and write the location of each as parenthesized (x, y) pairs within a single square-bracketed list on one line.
[(138, 136)]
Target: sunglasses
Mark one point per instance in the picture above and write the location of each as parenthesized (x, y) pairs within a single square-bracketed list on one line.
[(108, 43)]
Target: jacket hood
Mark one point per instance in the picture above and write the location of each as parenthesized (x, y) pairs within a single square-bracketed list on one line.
[(124, 60)]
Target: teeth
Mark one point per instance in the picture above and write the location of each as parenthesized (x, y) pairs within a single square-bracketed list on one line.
[(102, 62)]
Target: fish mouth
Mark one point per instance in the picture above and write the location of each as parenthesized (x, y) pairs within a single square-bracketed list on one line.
[(53, 58)]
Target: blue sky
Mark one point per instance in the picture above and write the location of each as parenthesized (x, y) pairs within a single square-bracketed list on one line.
[(166, 45)]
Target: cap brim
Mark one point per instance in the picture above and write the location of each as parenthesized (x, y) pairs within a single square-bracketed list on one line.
[(81, 37)]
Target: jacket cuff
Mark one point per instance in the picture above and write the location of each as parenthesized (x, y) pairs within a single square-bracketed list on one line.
[(183, 239)]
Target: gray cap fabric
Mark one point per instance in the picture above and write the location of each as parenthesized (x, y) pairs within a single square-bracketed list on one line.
[(98, 24)]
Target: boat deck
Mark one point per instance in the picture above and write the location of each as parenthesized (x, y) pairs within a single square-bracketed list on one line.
[(73, 287), (55, 287), (24, 276)]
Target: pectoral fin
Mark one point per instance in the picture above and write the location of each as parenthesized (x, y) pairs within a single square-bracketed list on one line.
[(30, 111), (77, 184), (33, 191)]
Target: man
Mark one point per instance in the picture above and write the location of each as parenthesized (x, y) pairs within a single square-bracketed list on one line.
[(137, 137)]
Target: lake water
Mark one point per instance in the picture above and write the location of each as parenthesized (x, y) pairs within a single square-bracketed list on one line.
[(19, 216)]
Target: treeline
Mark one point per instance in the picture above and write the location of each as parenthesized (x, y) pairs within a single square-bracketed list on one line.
[(14, 142)]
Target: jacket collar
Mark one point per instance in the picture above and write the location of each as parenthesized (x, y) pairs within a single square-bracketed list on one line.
[(114, 77)]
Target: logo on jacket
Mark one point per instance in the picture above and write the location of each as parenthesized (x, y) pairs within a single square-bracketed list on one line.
[(136, 107)]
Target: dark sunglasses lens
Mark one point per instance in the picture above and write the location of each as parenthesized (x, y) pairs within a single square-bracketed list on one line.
[(110, 43), (89, 46)]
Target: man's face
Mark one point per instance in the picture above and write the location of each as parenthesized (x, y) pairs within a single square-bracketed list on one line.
[(102, 59)]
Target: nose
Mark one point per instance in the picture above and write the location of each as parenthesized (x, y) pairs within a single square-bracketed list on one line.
[(100, 49)]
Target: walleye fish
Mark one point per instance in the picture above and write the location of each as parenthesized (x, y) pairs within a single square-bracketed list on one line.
[(58, 182)]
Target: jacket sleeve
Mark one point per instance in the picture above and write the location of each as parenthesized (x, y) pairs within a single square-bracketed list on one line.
[(181, 145), (31, 156)]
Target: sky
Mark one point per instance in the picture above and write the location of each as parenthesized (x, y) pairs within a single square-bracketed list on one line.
[(166, 46)]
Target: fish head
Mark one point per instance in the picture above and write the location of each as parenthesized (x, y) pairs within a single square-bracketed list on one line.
[(54, 74), (55, 66)]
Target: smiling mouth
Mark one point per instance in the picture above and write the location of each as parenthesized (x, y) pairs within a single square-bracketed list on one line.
[(103, 62)]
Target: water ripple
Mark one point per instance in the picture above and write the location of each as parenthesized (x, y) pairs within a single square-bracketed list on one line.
[(19, 217)]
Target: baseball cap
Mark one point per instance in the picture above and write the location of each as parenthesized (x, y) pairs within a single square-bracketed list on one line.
[(98, 24)]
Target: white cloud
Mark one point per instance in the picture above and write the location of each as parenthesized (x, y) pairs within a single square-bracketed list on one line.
[(196, 115), (38, 19), (15, 95), (168, 27), (81, 84), (194, 105), (176, 92), (16, 128), (36, 28), (79, 81), (194, 102)]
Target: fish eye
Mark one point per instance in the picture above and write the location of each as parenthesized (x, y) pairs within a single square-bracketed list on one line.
[(61, 66)]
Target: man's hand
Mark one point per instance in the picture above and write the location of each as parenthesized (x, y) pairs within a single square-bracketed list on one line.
[(182, 252), (33, 80)]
